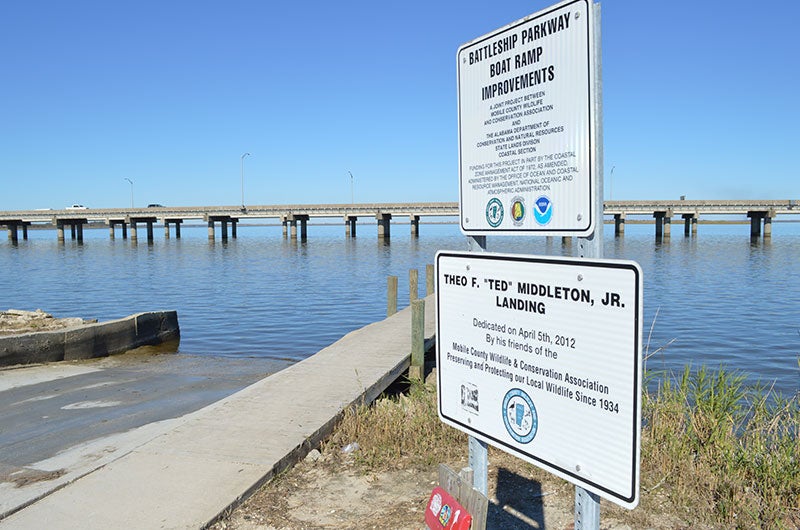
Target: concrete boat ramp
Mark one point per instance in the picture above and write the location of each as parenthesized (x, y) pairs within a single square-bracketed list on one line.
[(184, 472)]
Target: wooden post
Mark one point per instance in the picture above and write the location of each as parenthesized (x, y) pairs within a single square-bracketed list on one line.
[(459, 485), (417, 368), (429, 280), (391, 296), (413, 285)]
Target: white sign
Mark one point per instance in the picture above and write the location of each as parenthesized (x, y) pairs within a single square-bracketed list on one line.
[(541, 357), (526, 142)]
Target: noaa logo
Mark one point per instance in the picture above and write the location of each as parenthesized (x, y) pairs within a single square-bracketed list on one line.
[(518, 210), (519, 416), (543, 210), (494, 212)]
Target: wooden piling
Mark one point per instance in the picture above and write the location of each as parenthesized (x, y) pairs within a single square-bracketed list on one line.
[(391, 295), (429, 279), (417, 368)]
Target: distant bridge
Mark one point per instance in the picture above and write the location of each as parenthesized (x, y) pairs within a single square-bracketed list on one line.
[(760, 212)]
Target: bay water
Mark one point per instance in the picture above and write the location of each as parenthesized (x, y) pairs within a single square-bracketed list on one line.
[(717, 299)]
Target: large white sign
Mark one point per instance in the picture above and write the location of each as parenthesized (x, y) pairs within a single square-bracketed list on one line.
[(525, 121), (541, 357)]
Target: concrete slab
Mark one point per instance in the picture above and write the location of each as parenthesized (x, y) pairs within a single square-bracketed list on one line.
[(185, 477)]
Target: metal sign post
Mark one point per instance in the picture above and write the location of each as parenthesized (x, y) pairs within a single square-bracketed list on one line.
[(478, 450), (587, 504)]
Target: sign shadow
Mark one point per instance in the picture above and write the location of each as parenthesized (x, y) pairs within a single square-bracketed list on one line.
[(517, 504)]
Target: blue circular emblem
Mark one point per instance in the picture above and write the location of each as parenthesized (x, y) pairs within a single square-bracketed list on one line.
[(494, 212), (543, 210), (519, 416)]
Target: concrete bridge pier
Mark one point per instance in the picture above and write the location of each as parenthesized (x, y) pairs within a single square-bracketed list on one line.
[(112, 224), (619, 224), (350, 225), (76, 229), (13, 230), (767, 223), (755, 223), (234, 222), (223, 224), (177, 223), (223, 220), (384, 225), (148, 221), (663, 224), (303, 219), (285, 224), (414, 225), (689, 224)]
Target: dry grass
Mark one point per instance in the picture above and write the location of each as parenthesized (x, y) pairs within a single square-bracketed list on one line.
[(399, 431), (714, 453), (729, 452)]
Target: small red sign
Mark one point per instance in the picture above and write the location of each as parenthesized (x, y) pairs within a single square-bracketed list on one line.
[(445, 513)]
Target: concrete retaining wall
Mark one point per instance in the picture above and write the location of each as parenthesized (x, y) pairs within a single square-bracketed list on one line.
[(90, 340)]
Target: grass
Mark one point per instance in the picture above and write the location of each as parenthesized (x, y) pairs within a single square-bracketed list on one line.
[(714, 450), (728, 451)]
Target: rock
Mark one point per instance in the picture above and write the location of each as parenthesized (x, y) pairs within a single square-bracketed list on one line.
[(314, 456), (16, 321)]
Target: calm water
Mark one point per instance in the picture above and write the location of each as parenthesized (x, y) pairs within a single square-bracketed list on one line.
[(720, 297)]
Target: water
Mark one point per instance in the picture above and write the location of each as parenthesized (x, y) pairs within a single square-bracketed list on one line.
[(715, 299)]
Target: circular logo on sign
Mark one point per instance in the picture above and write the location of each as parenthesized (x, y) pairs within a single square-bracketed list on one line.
[(494, 212), (543, 210), (519, 416), (518, 210)]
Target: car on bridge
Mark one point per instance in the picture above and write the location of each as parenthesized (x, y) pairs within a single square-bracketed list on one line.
[(76, 207)]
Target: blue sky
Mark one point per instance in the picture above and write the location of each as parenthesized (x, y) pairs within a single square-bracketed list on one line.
[(700, 99)]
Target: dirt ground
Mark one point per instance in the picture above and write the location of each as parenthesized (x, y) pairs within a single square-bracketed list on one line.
[(329, 492)]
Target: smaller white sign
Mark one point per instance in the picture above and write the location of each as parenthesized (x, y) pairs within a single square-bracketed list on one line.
[(541, 357)]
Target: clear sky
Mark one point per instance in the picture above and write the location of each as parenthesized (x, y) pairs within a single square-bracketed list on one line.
[(700, 99)]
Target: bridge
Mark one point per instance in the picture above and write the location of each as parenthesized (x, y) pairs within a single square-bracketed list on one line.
[(760, 213)]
